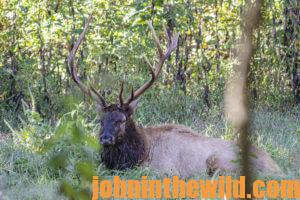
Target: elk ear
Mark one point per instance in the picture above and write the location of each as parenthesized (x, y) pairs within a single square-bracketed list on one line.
[(132, 107)]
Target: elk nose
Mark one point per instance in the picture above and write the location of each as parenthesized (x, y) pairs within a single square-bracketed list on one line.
[(107, 140)]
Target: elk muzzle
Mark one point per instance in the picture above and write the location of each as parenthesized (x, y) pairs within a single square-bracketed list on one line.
[(106, 139)]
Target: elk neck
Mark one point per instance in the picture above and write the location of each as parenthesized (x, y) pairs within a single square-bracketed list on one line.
[(128, 152)]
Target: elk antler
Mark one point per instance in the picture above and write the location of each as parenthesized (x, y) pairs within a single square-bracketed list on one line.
[(73, 69), (172, 44)]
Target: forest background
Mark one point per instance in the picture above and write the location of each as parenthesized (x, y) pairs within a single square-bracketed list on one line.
[(48, 128)]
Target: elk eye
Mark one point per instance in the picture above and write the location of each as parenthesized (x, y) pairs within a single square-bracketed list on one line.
[(121, 121)]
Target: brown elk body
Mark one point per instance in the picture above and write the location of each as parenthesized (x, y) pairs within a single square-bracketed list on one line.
[(168, 149), (176, 149)]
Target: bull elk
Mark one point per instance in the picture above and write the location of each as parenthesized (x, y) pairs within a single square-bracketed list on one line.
[(168, 148)]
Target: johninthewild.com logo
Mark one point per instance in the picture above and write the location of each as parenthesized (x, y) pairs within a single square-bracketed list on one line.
[(177, 188)]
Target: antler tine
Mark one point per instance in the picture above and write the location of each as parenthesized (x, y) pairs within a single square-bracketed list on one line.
[(73, 68), (150, 67), (132, 95), (121, 94), (102, 100), (156, 40), (154, 72), (148, 62)]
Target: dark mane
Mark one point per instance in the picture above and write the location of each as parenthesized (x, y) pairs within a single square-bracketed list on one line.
[(129, 152)]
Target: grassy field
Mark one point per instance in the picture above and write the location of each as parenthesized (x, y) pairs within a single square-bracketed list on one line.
[(38, 159)]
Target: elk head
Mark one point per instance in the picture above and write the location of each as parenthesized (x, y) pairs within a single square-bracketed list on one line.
[(116, 116)]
